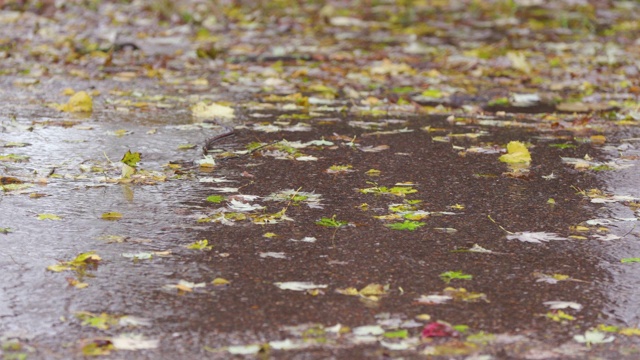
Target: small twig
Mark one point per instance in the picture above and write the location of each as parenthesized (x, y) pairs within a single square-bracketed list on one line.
[(628, 232), (207, 145)]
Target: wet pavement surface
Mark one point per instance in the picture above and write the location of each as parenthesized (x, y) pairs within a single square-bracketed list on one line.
[(329, 223)]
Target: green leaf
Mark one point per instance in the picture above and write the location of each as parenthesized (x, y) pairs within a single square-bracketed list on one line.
[(215, 198), (461, 328), (200, 245), (396, 190), (130, 158), (14, 158), (432, 93), (80, 262), (5, 230), (602, 168), (630, 260), (331, 222), (563, 146), (186, 146), (97, 348), (406, 225), (452, 275), (402, 334)]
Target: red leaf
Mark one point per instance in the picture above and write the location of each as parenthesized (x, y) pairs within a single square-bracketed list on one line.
[(438, 329)]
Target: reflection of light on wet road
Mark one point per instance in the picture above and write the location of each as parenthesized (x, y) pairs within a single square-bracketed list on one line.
[(622, 288)]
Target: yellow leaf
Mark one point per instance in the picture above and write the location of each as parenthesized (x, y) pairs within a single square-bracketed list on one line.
[(79, 102), (58, 268), (560, 277), (372, 289), (112, 215), (630, 332), (598, 139), (220, 282), (516, 153), (46, 216), (214, 110), (348, 291), (184, 288)]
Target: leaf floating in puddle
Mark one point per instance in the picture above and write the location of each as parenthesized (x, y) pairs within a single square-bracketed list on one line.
[(185, 286), (200, 245), (138, 256), (80, 262), (47, 216), (112, 215), (79, 102)]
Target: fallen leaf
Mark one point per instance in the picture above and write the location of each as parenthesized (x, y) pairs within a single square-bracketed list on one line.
[(213, 111), (535, 237), (47, 216), (516, 153), (79, 102), (299, 285), (438, 329), (113, 215)]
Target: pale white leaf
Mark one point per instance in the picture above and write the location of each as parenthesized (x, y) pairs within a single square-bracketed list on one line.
[(299, 285), (306, 158), (140, 255), (214, 110), (277, 255), (368, 330), (207, 161), (373, 149), (535, 237), (133, 321), (244, 349), (239, 206), (405, 344), (269, 128), (591, 337), (309, 239), (608, 237), (210, 179), (225, 189), (554, 305), (433, 299), (133, 342), (287, 344)]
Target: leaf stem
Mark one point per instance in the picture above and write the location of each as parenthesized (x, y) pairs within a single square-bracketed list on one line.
[(503, 229)]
